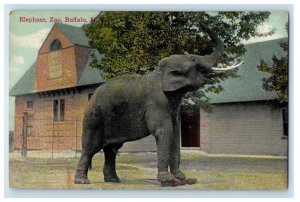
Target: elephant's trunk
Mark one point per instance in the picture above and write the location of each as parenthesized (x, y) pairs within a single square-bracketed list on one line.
[(212, 59)]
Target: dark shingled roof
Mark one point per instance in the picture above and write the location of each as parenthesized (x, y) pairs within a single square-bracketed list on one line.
[(26, 83), (91, 75), (248, 87), (75, 34)]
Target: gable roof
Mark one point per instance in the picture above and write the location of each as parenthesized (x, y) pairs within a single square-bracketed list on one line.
[(26, 85), (248, 86), (89, 76), (75, 34)]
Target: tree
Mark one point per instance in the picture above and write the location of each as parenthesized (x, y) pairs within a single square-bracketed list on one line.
[(134, 42), (278, 79)]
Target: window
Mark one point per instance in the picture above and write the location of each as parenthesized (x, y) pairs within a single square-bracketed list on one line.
[(55, 45), (59, 110), (55, 65), (90, 96), (55, 110), (285, 116), (29, 125), (62, 110), (29, 104), (54, 60)]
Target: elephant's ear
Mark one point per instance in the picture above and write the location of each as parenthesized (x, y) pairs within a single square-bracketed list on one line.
[(174, 80), (174, 77)]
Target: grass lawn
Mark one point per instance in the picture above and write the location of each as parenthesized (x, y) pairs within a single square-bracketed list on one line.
[(138, 171)]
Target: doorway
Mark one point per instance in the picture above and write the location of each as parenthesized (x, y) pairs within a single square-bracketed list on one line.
[(190, 127)]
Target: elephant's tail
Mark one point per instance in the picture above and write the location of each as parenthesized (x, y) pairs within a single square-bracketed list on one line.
[(92, 129)]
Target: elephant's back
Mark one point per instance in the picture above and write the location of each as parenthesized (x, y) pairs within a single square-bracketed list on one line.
[(131, 88)]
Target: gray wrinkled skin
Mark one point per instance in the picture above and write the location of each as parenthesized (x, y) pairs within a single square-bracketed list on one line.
[(129, 108)]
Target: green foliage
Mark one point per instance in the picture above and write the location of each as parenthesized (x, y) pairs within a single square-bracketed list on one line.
[(134, 42), (278, 79)]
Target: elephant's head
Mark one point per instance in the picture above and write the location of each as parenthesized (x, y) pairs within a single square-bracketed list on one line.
[(192, 71)]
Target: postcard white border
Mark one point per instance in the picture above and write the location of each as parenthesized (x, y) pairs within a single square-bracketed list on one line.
[(156, 193)]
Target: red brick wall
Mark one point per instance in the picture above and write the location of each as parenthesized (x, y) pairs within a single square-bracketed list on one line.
[(249, 128), (20, 106), (69, 76), (73, 60), (47, 134)]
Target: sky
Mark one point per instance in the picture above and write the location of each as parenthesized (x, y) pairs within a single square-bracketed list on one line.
[(25, 38)]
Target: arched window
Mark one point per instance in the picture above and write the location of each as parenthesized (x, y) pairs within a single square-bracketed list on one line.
[(55, 45), (54, 60)]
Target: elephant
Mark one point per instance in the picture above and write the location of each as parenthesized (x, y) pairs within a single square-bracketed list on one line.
[(131, 107)]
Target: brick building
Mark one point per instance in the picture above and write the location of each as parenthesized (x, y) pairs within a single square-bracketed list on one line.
[(53, 92), (243, 120)]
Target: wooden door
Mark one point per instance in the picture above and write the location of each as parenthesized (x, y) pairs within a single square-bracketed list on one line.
[(190, 131)]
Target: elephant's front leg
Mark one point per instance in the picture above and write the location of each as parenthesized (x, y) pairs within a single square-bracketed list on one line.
[(175, 158), (175, 153), (164, 142)]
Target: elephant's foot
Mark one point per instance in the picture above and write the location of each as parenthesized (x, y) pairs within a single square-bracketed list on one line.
[(181, 176), (81, 181), (166, 179), (81, 177), (112, 178)]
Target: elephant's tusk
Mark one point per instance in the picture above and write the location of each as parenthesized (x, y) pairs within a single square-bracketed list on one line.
[(235, 65)]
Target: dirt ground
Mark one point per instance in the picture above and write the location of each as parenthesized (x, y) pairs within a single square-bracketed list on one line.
[(138, 171)]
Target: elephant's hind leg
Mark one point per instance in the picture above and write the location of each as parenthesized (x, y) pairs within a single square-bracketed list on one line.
[(82, 168), (109, 170), (90, 147)]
